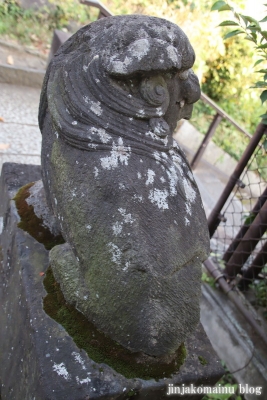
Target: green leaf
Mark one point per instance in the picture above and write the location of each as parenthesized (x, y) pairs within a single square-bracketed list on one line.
[(264, 34), (254, 35), (244, 19), (233, 33), (262, 71), (225, 8), (218, 5), (262, 46), (237, 16), (251, 20), (260, 84), (250, 38), (258, 62), (228, 23), (263, 96), (265, 77), (263, 20)]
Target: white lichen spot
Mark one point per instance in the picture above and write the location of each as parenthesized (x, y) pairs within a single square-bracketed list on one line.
[(74, 123), (117, 228), (130, 118), (139, 198), (82, 381), (103, 135), (92, 145), (150, 177), (118, 153), (97, 80), (96, 108), (56, 133), (162, 179), (85, 68), (86, 99), (116, 253), (190, 175), (61, 370), (141, 161), (139, 175), (127, 265), (77, 162), (78, 359), (139, 48), (157, 138), (121, 66), (89, 227), (173, 180), (175, 222), (187, 222), (1, 224), (140, 113), (172, 54), (159, 111), (159, 197), (97, 295), (127, 217), (96, 172), (189, 191), (188, 209), (55, 201)]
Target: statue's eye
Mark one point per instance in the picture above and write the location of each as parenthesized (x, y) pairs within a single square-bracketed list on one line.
[(183, 75)]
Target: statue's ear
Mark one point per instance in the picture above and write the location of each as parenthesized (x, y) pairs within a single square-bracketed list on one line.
[(144, 55)]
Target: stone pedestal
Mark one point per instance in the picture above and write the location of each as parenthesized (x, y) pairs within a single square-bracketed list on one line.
[(39, 360)]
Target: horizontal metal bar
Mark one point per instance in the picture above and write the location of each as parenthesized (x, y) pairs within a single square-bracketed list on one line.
[(99, 5), (223, 114)]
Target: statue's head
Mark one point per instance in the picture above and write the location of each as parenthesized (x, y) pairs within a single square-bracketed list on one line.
[(119, 185)]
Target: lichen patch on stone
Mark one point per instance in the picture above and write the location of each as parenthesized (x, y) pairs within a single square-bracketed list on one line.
[(103, 135), (96, 108), (61, 370), (159, 197), (119, 153), (150, 177)]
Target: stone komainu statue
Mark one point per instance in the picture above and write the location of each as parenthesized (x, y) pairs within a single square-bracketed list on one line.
[(119, 185)]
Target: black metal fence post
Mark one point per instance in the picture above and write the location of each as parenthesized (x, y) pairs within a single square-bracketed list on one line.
[(214, 218), (212, 128)]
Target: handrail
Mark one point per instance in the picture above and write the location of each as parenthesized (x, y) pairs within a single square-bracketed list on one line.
[(223, 114), (94, 3)]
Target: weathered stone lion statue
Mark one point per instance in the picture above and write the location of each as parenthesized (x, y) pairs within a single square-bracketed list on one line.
[(119, 186)]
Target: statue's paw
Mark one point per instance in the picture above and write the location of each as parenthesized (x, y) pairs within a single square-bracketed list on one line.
[(67, 272), (37, 199)]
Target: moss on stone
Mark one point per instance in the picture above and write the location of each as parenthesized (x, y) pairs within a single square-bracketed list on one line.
[(98, 346), (31, 223), (202, 360)]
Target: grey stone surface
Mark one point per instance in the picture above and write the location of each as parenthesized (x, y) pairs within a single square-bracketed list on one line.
[(235, 341), (120, 186), (38, 358)]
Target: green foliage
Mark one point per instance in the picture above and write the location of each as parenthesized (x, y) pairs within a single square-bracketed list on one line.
[(254, 33), (36, 26), (226, 381), (260, 290), (208, 279)]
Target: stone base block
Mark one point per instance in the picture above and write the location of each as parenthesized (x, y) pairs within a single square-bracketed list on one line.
[(39, 360)]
